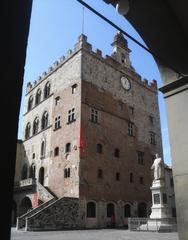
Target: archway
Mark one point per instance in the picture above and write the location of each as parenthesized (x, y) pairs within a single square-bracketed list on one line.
[(25, 205), (41, 176), (142, 210), (111, 214), (127, 211)]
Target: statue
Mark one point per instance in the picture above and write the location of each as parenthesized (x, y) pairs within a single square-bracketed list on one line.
[(158, 167)]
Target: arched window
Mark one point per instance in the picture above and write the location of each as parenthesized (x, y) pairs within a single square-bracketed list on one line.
[(32, 171), (131, 177), (43, 149), (91, 210), (30, 103), (99, 148), (44, 122), (68, 147), (24, 172), (41, 176), (27, 130), (47, 90), (116, 152), (35, 126), (110, 210), (127, 211), (66, 172), (123, 59), (56, 151), (38, 97)]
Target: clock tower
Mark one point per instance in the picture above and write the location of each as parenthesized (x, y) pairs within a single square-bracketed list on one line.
[(120, 50)]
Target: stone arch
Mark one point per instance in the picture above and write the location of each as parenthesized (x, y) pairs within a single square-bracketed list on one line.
[(38, 97), (47, 90), (91, 209), (43, 148), (30, 103), (110, 209), (25, 205), (35, 125), (41, 176), (142, 210), (127, 210), (111, 213), (28, 130), (44, 120)]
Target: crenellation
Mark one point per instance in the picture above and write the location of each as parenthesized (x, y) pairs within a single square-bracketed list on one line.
[(62, 59), (98, 53), (50, 69), (153, 84), (44, 74), (145, 81), (56, 63), (39, 78), (69, 52), (111, 61), (29, 87)]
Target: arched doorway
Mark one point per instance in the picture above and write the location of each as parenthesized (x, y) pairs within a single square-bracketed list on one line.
[(14, 213), (25, 205), (127, 211), (41, 176), (111, 213), (142, 210)]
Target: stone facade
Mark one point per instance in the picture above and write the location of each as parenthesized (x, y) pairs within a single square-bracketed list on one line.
[(99, 139)]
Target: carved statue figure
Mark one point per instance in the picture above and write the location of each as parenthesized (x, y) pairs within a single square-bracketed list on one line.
[(158, 167)]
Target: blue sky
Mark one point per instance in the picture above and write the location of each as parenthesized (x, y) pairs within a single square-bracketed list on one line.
[(54, 29)]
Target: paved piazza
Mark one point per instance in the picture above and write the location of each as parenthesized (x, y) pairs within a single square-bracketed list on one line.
[(102, 234)]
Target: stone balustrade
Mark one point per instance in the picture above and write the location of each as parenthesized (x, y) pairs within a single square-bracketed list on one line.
[(25, 183)]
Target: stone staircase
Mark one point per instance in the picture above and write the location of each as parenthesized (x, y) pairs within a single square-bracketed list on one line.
[(46, 196), (62, 213), (21, 221)]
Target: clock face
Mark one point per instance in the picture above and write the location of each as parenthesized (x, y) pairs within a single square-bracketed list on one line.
[(126, 83)]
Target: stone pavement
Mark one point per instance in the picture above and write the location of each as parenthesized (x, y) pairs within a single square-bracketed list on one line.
[(101, 234)]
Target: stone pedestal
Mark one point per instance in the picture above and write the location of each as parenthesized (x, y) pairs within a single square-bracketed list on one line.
[(161, 216), (160, 207)]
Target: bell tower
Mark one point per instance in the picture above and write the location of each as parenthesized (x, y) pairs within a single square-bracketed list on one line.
[(120, 51)]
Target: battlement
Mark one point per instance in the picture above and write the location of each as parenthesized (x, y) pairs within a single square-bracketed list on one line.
[(83, 44)]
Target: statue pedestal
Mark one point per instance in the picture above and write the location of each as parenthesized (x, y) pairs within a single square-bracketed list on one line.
[(161, 217), (160, 207)]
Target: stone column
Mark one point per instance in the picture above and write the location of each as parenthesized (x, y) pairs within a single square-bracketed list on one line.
[(175, 92)]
